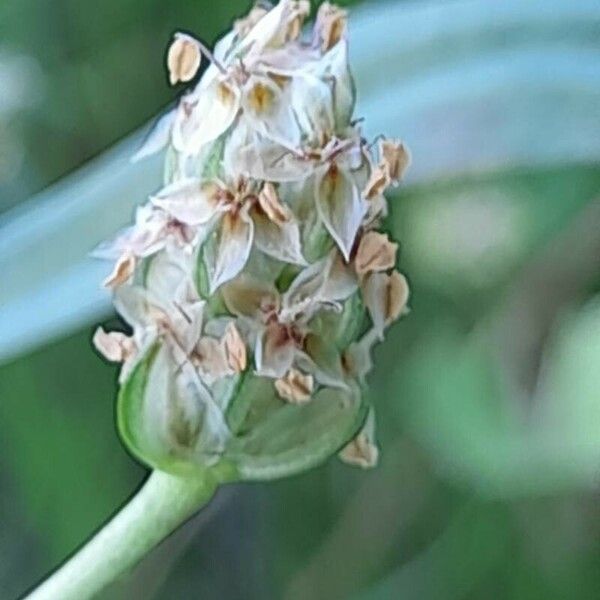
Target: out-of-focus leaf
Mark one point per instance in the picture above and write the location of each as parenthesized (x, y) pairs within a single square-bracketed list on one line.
[(480, 85), (470, 234)]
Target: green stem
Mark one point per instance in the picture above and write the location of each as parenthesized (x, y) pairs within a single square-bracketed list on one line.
[(161, 505)]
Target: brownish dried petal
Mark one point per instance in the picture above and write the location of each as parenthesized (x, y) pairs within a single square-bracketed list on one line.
[(114, 346), (397, 296), (330, 25), (271, 205), (235, 349), (183, 58), (121, 272), (360, 452), (375, 253), (295, 387), (395, 159)]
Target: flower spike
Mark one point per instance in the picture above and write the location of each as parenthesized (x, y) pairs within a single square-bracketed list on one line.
[(256, 281)]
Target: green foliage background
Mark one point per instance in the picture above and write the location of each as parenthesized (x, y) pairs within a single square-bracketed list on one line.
[(488, 395)]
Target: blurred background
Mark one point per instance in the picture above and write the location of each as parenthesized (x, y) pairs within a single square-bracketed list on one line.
[(488, 395)]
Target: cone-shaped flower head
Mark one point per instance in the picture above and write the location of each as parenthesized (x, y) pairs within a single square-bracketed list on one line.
[(256, 281)]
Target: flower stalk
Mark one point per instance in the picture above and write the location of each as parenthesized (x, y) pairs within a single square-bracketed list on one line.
[(161, 505)]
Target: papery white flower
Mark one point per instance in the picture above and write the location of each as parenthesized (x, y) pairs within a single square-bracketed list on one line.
[(282, 323), (240, 215)]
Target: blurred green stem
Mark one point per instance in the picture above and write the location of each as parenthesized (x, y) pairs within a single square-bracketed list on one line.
[(161, 505)]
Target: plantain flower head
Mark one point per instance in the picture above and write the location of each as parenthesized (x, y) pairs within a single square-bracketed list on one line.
[(256, 281)]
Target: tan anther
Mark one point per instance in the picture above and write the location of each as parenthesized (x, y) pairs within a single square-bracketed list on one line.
[(375, 253), (377, 184), (395, 159), (272, 206), (330, 25), (183, 58), (121, 272), (114, 346), (398, 293), (360, 452), (235, 349), (295, 387)]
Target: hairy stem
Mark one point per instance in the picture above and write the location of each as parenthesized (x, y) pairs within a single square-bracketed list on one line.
[(161, 505)]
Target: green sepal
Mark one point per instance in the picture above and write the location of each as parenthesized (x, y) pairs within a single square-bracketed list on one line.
[(280, 439), (211, 166), (201, 275), (345, 327), (317, 242), (130, 424), (269, 438)]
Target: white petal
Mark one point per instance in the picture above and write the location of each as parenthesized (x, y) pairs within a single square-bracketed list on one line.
[(264, 32), (210, 359), (158, 138), (204, 115), (341, 281), (340, 206), (253, 155), (115, 248), (279, 241), (267, 108), (274, 353), (224, 46), (228, 248), (188, 200), (312, 105), (305, 290), (335, 65), (165, 275), (132, 304)]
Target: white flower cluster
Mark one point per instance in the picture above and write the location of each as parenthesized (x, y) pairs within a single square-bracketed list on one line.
[(261, 252)]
